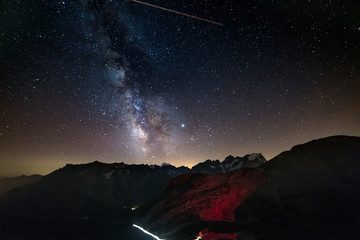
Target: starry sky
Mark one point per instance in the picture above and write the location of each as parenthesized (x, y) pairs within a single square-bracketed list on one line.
[(120, 81)]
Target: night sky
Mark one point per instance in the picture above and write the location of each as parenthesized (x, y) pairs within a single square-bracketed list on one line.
[(119, 81)]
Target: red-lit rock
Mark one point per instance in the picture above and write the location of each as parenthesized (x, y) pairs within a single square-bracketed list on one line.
[(308, 192), (208, 235), (212, 197)]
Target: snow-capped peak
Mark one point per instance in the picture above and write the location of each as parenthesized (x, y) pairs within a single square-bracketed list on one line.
[(254, 156), (108, 175), (165, 164)]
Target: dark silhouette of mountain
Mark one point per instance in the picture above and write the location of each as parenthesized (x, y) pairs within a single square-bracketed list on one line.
[(7, 183), (309, 192), (313, 192), (75, 189), (95, 194), (85, 199)]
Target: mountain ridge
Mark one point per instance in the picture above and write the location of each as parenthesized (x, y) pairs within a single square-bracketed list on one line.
[(310, 191), (89, 193), (7, 183)]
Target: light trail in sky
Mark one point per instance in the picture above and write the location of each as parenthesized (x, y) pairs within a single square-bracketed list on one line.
[(177, 12), (148, 233)]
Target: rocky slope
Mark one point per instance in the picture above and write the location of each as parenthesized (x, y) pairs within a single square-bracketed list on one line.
[(194, 199), (94, 194), (311, 191), (75, 189), (86, 199)]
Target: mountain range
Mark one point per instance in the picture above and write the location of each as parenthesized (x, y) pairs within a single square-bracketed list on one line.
[(311, 191), (94, 194)]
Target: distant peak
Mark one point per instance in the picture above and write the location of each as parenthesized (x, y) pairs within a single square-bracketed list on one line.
[(95, 162), (165, 164), (229, 164), (254, 156)]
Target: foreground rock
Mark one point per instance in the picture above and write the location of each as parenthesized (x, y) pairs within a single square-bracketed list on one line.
[(94, 200), (313, 192), (309, 192), (195, 199)]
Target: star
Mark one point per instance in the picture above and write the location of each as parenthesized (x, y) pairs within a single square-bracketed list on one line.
[(125, 81)]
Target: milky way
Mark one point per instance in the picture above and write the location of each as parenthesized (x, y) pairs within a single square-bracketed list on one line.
[(151, 127)]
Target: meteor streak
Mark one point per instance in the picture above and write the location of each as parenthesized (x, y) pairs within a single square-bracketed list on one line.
[(181, 13)]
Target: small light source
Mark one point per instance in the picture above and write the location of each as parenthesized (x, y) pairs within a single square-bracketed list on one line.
[(182, 125)]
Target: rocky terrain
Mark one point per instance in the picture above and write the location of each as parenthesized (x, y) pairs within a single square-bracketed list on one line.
[(309, 192), (313, 192), (194, 199), (229, 164), (95, 194)]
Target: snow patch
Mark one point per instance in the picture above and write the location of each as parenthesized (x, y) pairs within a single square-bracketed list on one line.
[(222, 168), (172, 173), (108, 175), (254, 156), (234, 162), (237, 166)]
